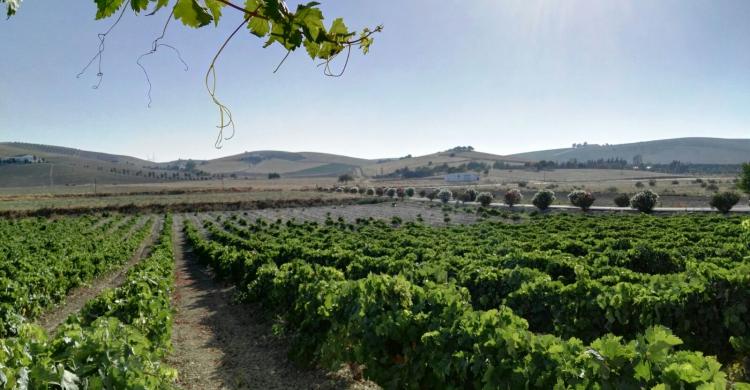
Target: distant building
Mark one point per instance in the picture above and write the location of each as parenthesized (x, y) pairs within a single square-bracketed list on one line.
[(20, 159), (461, 177)]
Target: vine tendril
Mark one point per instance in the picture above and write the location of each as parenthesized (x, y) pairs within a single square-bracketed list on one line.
[(154, 47), (98, 56)]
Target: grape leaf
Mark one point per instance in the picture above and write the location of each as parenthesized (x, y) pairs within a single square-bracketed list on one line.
[(105, 8), (191, 13)]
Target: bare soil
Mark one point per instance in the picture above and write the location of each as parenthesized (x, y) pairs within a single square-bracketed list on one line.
[(77, 298), (222, 345)]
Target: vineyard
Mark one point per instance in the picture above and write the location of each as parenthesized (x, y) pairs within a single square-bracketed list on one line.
[(538, 301), (117, 339), (558, 302)]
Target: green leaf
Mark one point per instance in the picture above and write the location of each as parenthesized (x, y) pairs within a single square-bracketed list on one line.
[(312, 48), (106, 8), (310, 19), (338, 28), (139, 5), (215, 7), (191, 13), (259, 27)]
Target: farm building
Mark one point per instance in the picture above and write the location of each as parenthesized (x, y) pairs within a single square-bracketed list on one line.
[(20, 159), (461, 177)]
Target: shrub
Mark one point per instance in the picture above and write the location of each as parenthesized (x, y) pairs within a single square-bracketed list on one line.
[(422, 193), (484, 198), (522, 184), (724, 201), (639, 184), (644, 201), (712, 187), (354, 190), (469, 195), (274, 176), (582, 199), (370, 191), (390, 192), (675, 182), (622, 200), (400, 192), (513, 197), (612, 190), (379, 191), (652, 183), (340, 189), (432, 194), (743, 181), (396, 220), (698, 180), (409, 191), (543, 199), (444, 195)]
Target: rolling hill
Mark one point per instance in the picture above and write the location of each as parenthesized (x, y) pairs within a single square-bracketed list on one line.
[(69, 166), (687, 150)]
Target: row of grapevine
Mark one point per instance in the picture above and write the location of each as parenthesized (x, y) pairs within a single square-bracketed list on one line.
[(42, 260), (116, 341), (560, 301)]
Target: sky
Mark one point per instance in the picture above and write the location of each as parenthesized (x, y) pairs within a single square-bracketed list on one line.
[(505, 76)]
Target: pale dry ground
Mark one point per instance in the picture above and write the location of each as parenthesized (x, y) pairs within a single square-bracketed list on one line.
[(219, 344), (197, 198)]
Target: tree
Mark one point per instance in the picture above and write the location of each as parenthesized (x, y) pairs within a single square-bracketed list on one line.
[(513, 197), (622, 200), (644, 201), (409, 191), (543, 199), (484, 198), (190, 165), (744, 180), (345, 178), (445, 195), (271, 20), (582, 199), (724, 201), (273, 176)]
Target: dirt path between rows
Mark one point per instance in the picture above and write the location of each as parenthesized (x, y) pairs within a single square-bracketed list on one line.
[(77, 298), (222, 345)]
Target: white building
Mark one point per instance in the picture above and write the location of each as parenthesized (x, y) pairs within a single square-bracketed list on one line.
[(461, 177), (20, 159)]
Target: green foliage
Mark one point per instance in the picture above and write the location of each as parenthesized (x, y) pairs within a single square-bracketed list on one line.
[(390, 192), (644, 201), (744, 180), (469, 195), (270, 19), (582, 199), (116, 342), (484, 198), (370, 191), (622, 200), (512, 197), (725, 201), (543, 199), (409, 191), (551, 303), (45, 259), (445, 195)]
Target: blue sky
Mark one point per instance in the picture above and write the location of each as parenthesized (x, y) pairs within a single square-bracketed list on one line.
[(504, 76)]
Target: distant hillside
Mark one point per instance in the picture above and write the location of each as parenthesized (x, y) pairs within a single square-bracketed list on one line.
[(288, 164), (385, 167), (686, 150), (68, 166)]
